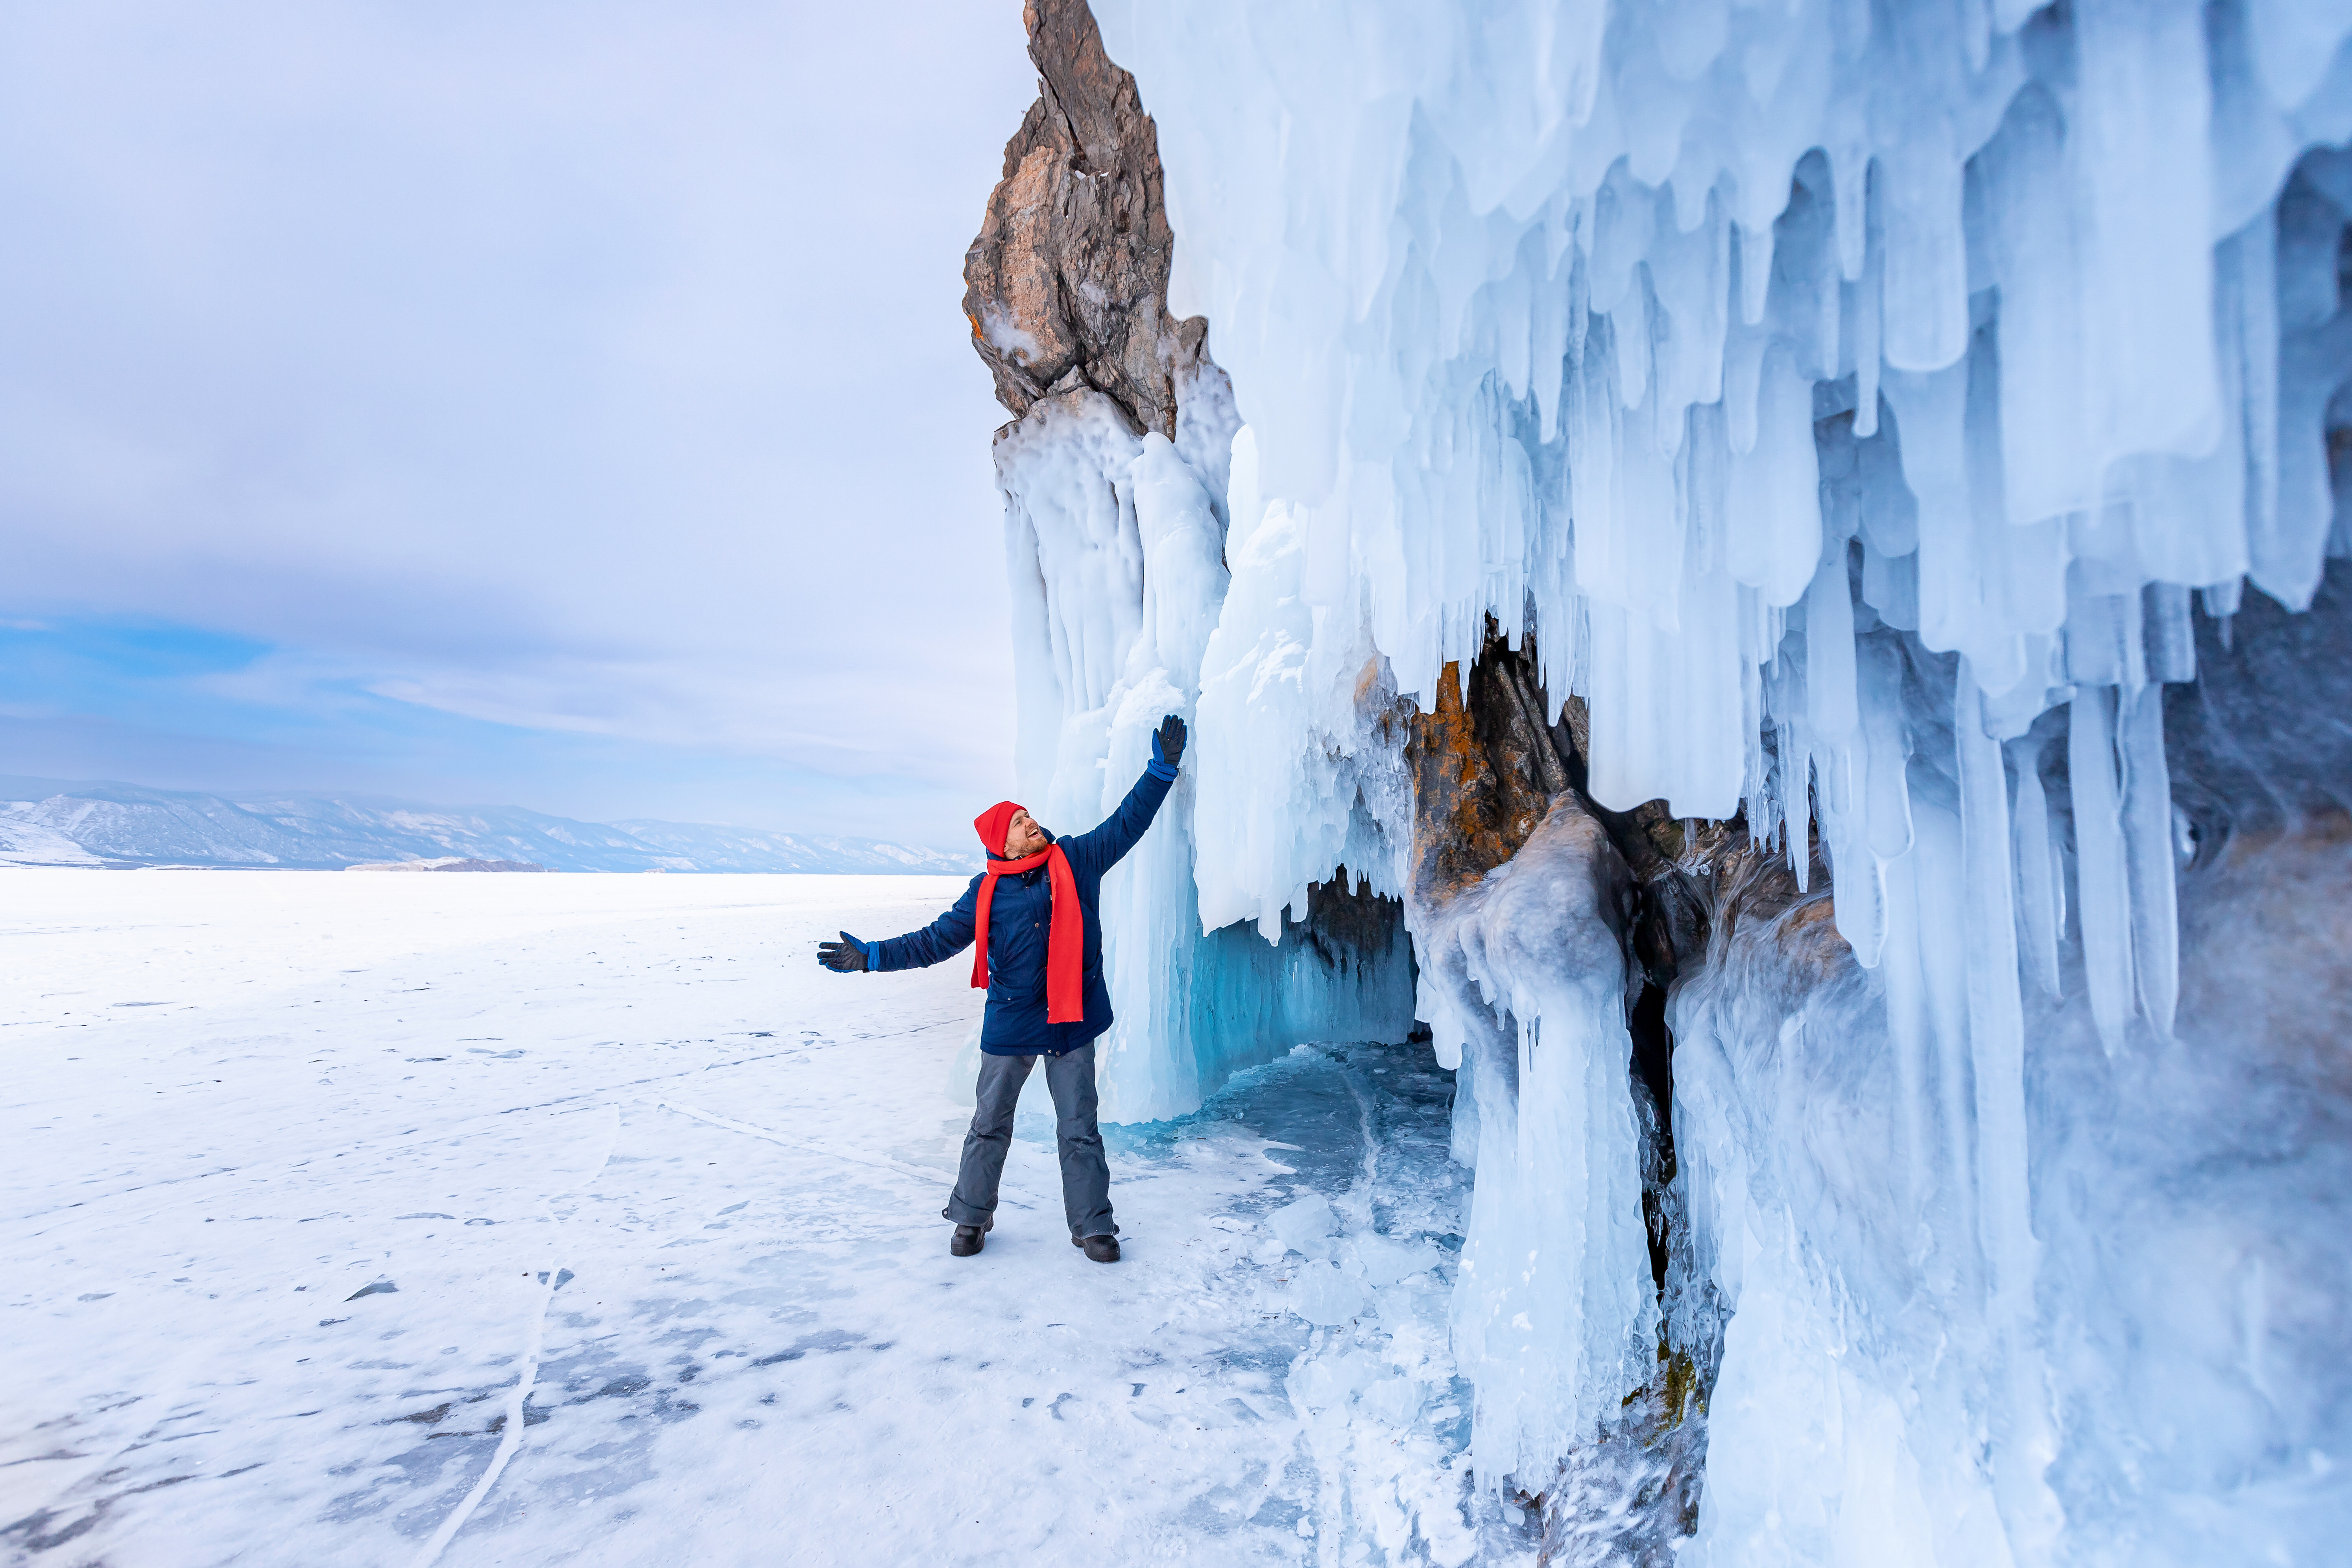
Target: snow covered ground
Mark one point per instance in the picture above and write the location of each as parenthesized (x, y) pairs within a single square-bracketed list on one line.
[(313, 1184)]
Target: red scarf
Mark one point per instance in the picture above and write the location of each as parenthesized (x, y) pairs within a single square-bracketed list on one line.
[(1066, 936)]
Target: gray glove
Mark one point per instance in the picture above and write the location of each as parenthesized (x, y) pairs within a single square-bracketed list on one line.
[(847, 956), (1168, 740)]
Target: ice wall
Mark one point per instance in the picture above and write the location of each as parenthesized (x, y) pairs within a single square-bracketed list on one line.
[(2186, 1200), (1856, 400), (1116, 558)]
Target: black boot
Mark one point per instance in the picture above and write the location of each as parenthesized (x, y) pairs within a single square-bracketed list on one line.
[(1101, 1248), (966, 1241)]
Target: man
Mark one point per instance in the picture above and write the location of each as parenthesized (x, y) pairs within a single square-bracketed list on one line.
[(1042, 965)]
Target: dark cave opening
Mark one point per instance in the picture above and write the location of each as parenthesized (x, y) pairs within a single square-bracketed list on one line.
[(1653, 1069)]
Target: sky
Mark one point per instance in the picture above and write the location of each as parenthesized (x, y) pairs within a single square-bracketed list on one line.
[(561, 405)]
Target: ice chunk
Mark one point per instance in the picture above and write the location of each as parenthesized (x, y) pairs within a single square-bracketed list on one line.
[(1323, 1295), (1385, 1261), (1392, 1402), (1306, 1225)]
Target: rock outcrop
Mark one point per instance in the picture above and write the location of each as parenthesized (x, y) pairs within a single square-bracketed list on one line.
[(1066, 286)]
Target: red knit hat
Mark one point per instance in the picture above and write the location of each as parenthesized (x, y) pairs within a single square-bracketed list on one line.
[(995, 825)]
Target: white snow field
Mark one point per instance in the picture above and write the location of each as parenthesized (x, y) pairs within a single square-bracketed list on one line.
[(315, 1182)]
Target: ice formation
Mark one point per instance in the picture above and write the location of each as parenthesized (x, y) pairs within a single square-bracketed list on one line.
[(1848, 408), (1118, 568)]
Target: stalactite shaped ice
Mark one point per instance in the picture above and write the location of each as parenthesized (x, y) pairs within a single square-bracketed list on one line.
[(1846, 399), (1525, 982), (1573, 306), (1298, 751)]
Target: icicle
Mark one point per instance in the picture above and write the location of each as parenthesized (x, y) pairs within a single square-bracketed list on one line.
[(1755, 271), (1867, 347), (2037, 903), (1938, 867), (1997, 1061), (2222, 601), (1861, 893), (1796, 799), (1707, 462), (1828, 651), (2171, 642), (2254, 265), (2147, 838), (1996, 1019), (2103, 893), (1930, 414), (1630, 331), (1773, 535), (1886, 795), (1906, 1027)]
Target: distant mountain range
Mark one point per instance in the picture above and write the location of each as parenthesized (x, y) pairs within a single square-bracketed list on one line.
[(55, 821)]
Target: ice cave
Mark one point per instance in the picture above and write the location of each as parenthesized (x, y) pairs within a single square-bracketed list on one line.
[(1768, 576)]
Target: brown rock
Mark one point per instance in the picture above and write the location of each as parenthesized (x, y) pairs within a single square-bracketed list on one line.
[(1067, 285), (1485, 768)]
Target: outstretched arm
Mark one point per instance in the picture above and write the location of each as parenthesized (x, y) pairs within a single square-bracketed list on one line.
[(942, 939), (1106, 845)]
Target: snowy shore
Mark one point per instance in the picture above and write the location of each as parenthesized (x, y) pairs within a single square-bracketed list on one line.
[(312, 1184)]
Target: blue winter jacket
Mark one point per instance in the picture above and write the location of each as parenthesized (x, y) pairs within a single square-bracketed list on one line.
[(1014, 1023)]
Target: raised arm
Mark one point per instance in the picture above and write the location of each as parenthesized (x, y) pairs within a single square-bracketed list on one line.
[(1104, 846)]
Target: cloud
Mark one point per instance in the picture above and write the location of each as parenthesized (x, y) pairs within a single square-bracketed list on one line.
[(180, 709), (592, 370)]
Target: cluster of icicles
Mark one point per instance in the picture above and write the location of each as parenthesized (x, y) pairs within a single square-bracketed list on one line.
[(1722, 343), (1857, 401)]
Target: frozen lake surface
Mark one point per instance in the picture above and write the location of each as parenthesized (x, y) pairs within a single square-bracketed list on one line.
[(315, 1182)]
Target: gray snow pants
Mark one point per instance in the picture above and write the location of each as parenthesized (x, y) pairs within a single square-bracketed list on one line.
[(1086, 1175)]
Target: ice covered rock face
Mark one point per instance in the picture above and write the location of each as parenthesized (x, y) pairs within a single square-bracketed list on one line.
[(1839, 414)]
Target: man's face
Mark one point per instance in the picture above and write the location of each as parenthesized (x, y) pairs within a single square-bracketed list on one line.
[(1023, 838)]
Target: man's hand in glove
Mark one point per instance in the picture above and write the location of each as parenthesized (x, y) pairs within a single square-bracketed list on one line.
[(1168, 742), (847, 956)]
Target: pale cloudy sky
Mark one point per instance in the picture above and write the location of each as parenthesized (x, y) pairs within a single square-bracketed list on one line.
[(561, 404)]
